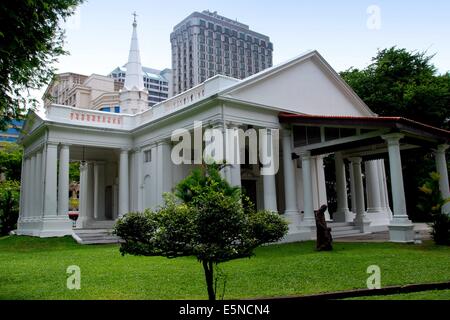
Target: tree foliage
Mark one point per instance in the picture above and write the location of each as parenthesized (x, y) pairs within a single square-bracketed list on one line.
[(431, 202), (11, 160), (205, 218), (31, 39), (9, 205), (403, 83), (74, 172)]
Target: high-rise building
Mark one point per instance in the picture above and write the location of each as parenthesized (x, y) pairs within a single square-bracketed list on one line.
[(205, 44), (157, 82)]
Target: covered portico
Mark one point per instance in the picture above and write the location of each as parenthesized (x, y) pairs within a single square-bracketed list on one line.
[(370, 140), (49, 148)]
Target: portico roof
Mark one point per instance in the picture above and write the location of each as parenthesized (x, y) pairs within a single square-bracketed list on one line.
[(368, 139), (395, 123)]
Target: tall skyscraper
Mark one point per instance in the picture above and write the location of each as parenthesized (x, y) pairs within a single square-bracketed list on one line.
[(205, 44)]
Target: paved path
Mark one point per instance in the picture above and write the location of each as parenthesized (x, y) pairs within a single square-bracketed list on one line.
[(422, 228)]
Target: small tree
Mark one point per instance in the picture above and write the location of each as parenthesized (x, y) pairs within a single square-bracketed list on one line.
[(205, 218), (431, 202)]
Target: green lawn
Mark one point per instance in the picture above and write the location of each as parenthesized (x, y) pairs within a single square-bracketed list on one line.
[(424, 295), (33, 268)]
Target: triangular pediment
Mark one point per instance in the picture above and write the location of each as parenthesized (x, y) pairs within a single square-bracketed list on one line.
[(306, 85), (32, 121)]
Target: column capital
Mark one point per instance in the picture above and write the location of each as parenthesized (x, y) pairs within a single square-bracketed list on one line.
[(441, 148), (234, 125), (393, 138), (52, 144), (355, 160), (287, 132), (163, 142), (305, 155), (125, 150), (65, 145)]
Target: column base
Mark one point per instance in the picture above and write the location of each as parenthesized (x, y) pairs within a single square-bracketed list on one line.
[(402, 233), (343, 215), (380, 218), (84, 222), (294, 219), (363, 224), (308, 224), (44, 227), (56, 226)]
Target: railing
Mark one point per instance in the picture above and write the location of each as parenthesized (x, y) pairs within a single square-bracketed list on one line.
[(88, 117), (71, 115)]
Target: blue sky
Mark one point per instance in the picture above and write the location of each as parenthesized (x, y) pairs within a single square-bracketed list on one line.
[(98, 37)]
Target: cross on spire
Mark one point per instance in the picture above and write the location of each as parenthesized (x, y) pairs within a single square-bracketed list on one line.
[(134, 15)]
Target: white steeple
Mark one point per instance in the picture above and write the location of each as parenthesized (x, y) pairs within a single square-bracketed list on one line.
[(133, 97), (134, 78)]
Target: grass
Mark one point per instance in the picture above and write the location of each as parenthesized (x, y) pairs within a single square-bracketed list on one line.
[(33, 268), (424, 295)]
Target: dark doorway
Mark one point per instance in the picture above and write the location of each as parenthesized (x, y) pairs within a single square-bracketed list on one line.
[(249, 189)]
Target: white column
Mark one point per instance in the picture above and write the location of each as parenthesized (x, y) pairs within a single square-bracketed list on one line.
[(309, 219), (83, 217), (50, 186), (63, 181), (124, 205), (225, 172), (290, 191), (360, 219), (372, 187), (90, 192), (22, 191), (401, 228), (99, 191), (378, 212), (28, 188), (441, 167), (35, 187), (342, 213), (384, 197), (321, 185), (39, 183), (164, 172), (232, 138), (269, 183), (352, 190), (139, 177)]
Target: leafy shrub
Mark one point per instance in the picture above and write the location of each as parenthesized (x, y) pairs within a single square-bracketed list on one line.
[(9, 205), (441, 229), (431, 202)]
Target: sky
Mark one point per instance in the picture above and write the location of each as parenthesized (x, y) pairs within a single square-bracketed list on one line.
[(347, 33)]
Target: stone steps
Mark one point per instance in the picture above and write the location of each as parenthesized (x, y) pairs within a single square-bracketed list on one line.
[(344, 229), (95, 236)]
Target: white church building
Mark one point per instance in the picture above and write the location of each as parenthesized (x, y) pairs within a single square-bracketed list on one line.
[(125, 158)]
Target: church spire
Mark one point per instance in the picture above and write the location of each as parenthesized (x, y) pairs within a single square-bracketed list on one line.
[(134, 77), (134, 97)]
